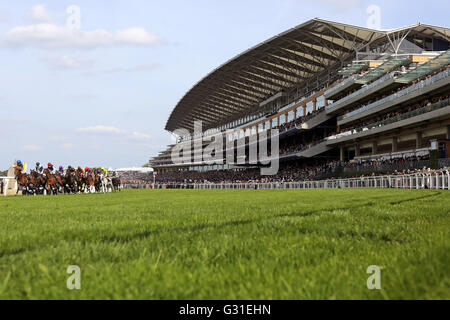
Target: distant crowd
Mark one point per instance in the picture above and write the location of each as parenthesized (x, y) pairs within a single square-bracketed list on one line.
[(298, 172)]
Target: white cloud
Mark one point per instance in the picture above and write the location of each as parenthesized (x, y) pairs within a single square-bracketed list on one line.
[(64, 62), (31, 147), (102, 129), (342, 4), (51, 36), (38, 13), (67, 145), (140, 136)]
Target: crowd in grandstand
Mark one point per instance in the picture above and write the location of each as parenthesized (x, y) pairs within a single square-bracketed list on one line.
[(135, 177), (366, 124), (380, 97), (290, 145), (293, 172), (296, 123)]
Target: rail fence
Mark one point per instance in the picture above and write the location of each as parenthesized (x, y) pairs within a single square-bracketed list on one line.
[(7, 185), (435, 180), (432, 180)]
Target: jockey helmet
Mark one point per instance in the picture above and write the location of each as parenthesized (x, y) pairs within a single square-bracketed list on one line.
[(49, 164), (37, 164), (19, 162), (61, 168)]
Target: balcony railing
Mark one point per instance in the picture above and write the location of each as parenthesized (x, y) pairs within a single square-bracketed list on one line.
[(361, 91), (438, 105), (404, 92), (337, 87)]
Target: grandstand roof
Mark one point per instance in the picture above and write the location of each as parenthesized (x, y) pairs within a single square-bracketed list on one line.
[(285, 61)]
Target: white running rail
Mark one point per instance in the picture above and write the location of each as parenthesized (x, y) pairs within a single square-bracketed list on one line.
[(435, 180), (5, 184)]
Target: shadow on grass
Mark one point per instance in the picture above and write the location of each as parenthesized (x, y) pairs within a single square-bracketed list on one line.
[(201, 227)]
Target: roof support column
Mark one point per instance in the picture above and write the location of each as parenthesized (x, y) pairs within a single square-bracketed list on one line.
[(448, 131), (418, 140), (341, 153), (394, 144), (374, 147)]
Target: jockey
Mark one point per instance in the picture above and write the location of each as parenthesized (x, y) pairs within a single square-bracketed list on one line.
[(21, 166), (87, 170), (105, 172), (80, 170), (50, 168), (39, 168), (61, 170)]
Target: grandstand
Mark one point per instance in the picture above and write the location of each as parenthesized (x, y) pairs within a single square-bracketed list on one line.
[(341, 96)]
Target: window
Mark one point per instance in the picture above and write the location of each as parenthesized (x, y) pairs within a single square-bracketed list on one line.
[(299, 112), (290, 116)]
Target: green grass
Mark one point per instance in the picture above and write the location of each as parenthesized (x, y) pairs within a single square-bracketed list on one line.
[(254, 244)]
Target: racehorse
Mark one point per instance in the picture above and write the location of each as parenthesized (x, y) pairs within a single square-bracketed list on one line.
[(90, 182), (53, 183), (41, 182), (116, 183), (98, 181), (70, 183), (107, 185), (24, 182), (81, 181)]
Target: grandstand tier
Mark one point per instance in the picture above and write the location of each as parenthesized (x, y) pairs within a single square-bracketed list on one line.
[(334, 95)]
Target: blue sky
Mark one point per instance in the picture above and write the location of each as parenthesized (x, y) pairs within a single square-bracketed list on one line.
[(101, 95)]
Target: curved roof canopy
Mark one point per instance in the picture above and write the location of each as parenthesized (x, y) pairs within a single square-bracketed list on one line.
[(285, 61)]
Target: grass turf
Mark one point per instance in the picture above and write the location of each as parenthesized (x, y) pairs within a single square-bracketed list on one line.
[(271, 244)]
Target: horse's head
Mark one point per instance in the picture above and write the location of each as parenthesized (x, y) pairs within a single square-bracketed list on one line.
[(17, 172)]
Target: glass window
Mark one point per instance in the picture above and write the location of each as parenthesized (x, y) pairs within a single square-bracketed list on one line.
[(309, 107), (299, 112), (290, 116), (260, 127), (320, 102)]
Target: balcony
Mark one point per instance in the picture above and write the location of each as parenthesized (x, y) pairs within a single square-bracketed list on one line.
[(439, 110), (342, 87), (423, 87), (362, 93)]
